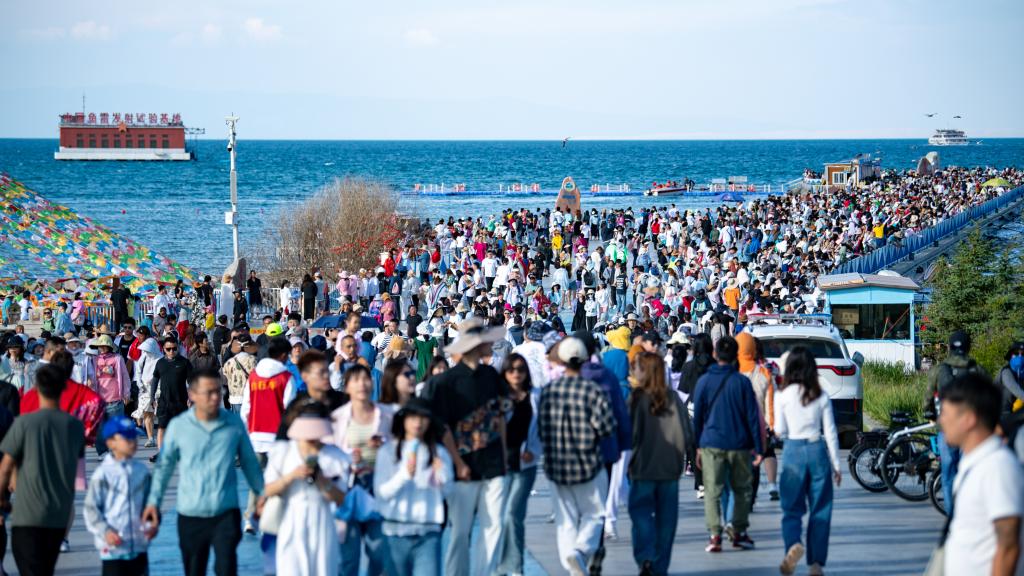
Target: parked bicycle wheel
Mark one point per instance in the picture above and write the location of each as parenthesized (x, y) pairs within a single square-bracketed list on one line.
[(905, 465), (935, 492), (864, 468)]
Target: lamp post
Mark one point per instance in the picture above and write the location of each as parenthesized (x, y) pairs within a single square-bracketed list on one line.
[(231, 218)]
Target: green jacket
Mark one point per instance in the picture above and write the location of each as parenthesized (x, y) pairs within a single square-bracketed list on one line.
[(954, 366), (208, 485)]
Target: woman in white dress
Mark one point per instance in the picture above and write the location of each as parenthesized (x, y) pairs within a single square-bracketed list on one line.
[(226, 300), (145, 367), (310, 478)]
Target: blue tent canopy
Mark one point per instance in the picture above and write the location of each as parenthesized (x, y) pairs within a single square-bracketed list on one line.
[(338, 320)]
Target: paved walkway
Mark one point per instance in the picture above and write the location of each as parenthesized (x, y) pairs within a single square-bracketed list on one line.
[(871, 533)]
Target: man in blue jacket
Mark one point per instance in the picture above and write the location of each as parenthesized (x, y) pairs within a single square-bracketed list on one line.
[(206, 439), (726, 423)]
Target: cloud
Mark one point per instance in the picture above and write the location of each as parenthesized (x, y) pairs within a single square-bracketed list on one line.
[(257, 29), (49, 33), (90, 30), (211, 33), (420, 37)]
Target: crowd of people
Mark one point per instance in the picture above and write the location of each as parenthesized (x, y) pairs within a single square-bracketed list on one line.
[(449, 380)]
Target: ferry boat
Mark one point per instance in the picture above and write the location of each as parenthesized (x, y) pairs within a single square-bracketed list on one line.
[(948, 138), (117, 136)]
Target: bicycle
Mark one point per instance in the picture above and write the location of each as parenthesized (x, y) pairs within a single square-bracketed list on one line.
[(935, 493), (907, 461), (864, 456)]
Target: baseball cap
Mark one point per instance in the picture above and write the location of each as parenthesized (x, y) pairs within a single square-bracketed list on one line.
[(572, 350), (120, 425), (651, 336), (960, 341), (274, 329)]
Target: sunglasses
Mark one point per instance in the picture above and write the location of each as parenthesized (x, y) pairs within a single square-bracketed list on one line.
[(409, 374), (173, 349), (520, 368)]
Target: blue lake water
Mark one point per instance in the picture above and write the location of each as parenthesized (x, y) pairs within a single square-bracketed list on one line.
[(177, 207)]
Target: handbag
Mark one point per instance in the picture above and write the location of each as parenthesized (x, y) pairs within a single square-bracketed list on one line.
[(273, 513)]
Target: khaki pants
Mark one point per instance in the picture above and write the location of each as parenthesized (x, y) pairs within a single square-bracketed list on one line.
[(721, 466)]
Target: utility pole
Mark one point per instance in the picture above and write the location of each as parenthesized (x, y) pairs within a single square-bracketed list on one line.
[(231, 218)]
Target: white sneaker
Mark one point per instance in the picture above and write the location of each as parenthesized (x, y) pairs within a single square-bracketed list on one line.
[(65, 546), (700, 493), (577, 564)]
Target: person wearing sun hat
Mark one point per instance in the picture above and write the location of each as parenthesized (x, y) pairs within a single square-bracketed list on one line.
[(311, 478), (470, 400), (410, 480)]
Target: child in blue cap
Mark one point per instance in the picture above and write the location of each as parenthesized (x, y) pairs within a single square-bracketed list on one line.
[(114, 502)]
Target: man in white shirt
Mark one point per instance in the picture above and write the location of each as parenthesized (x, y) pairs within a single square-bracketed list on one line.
[(490, 268), (984, 532)]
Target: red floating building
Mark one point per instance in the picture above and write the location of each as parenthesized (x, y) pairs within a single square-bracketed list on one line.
[(116, 136)]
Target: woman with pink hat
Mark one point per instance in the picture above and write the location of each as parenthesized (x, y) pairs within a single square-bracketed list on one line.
[(309, 477)]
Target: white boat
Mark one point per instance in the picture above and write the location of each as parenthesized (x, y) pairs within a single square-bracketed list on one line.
[(665, 191), (948, 138)]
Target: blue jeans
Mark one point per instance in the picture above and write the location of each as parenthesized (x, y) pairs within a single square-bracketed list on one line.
[(360, 533), (620, 301), (949, 460), (654, 511), (518, 492), (414, 555), (806, 481), (112, 410)]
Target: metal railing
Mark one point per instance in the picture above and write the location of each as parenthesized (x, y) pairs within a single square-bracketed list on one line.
[(890, 254)]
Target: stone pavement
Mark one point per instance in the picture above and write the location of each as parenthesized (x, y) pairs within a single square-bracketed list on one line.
[(871, 533)]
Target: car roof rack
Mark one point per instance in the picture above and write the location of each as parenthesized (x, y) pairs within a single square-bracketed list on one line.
[(824, 320)]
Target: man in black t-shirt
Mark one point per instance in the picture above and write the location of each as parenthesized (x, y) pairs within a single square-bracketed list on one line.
[(119, 298), (472, 399)]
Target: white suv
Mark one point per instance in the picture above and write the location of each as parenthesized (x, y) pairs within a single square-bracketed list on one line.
[(838, 372)]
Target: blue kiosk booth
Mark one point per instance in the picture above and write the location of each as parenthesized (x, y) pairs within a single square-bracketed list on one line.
[(875, 314)]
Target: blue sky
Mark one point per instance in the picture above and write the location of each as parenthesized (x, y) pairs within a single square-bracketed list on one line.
[(481, 69)]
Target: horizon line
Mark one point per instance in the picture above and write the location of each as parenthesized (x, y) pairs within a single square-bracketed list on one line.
[(557, 140)]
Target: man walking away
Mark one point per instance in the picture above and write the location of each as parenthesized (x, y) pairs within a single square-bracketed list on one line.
[(574, 415), (726, 422), (205, 440), (985, 525), (956, 365), (43, 447)]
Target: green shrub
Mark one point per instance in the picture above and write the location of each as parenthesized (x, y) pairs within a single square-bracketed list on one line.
[(889, 387)]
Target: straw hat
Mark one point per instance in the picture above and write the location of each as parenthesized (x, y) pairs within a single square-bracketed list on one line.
[(104, 329), (101, 341), (472, 333), (461, 308)]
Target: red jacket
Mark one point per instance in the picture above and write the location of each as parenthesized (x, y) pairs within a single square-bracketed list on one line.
[(266, 400), (77, 400)]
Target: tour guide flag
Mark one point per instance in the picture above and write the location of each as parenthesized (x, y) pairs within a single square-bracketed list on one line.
[(53, 236)]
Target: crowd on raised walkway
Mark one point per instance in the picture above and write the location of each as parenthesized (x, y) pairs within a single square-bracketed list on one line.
[(375, 412)]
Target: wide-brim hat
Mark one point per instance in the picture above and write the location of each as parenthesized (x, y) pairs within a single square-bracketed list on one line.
[(309, 428), (71, 337), (472, 333), (461, 308), (103, 340), (423, 329), (104, 329), (678, 338)]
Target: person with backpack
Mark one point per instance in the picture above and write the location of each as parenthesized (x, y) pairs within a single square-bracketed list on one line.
[(956, 365), (1011, 378)]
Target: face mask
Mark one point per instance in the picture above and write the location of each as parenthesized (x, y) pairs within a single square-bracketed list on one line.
[(1016, 363)]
